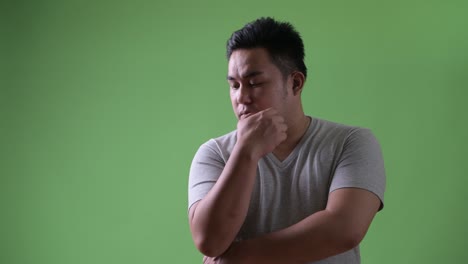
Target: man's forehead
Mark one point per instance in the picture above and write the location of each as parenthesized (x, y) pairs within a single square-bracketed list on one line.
[(247, 63), (245, 75)]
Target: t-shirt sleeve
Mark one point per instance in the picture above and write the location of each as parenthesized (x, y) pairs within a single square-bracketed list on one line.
[(361, 164), (207, 166)]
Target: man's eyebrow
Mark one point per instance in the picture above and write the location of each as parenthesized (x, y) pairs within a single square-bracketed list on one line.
[(247, 75)]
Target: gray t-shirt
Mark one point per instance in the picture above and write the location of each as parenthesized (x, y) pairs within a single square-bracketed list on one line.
[(329, 156)]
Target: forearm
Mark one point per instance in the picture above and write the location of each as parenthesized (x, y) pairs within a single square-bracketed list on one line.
[(338, 228), (318, 236), (218, 217)]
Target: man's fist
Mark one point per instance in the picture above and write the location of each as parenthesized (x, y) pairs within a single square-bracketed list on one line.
[(262, 132)]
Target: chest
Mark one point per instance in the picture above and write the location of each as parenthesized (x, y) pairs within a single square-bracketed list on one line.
[(284, 195)]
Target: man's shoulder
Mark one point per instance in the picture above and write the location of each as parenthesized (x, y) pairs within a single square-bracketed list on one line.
[(224, 143), (228, 137), (326, 126), (331, 131)]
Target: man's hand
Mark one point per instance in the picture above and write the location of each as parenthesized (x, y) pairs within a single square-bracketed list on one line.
[(261, 132)]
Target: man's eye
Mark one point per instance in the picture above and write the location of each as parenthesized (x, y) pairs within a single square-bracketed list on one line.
[(234, 86)]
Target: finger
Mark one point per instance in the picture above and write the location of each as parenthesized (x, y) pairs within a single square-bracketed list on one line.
[(208, 260), (278, 119), (283, 128), (283, 136), (268, 112)]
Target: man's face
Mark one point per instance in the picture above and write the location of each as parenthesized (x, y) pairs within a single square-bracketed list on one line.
[(256, 83)]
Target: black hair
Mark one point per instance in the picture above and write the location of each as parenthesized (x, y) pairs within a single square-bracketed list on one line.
[(280, 39)]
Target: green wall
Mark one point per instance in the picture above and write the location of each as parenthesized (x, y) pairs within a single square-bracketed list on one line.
[(103, 105)]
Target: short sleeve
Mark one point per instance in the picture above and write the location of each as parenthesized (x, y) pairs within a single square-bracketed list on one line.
[(361, 164), (207, 166)]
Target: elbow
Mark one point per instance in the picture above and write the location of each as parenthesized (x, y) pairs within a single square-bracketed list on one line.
[(210, 238), (352, 239), (209, 247)]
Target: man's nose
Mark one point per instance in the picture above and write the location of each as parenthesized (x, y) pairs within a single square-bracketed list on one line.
[(244, 95)]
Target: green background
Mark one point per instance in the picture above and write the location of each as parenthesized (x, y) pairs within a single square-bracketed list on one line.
[(103, 105)]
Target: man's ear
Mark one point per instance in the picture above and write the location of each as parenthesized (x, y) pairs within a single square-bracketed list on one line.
[(298, 79)]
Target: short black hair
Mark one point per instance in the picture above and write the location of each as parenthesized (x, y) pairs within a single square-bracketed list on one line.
[(280, 39)]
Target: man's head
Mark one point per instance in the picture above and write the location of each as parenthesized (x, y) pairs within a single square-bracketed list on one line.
[(266, 69), (280, 39)]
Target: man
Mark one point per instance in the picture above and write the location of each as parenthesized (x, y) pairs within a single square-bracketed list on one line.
[(284, 187)]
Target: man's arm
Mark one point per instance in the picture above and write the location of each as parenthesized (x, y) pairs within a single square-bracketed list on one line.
[(217, 218), (338, 228)]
